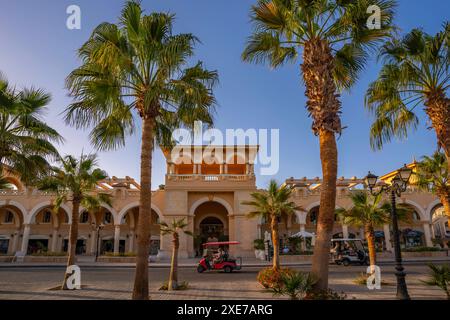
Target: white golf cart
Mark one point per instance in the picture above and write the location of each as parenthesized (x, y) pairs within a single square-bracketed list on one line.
[(348, 251)]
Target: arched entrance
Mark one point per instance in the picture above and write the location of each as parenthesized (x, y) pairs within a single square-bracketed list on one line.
[(128, 231), (210, 224)]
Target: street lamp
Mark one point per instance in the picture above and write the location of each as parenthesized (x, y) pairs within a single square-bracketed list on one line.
[(397, 186), (97, 228)]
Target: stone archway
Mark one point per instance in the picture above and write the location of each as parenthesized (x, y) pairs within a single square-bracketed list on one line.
[(211, 223)]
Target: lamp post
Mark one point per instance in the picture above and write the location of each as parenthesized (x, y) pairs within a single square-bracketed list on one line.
[(97, 228), (398, 185)]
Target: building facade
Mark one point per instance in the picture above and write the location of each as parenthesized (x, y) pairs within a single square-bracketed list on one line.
[(208, 194)]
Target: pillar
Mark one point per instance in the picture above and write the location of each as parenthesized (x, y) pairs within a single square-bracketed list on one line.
[(25, 238), (427, 234), (131, 241), (116, 239), (54, 240), (387, 237), (15, 241), (93, 241), (303, 244), (345, 231)]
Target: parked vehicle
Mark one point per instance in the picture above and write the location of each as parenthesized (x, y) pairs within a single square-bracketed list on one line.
[(216, 257), (348, 251)]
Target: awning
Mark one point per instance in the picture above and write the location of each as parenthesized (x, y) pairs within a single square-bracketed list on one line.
[(303, 234)]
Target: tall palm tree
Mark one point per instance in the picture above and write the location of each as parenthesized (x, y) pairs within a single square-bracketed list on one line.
[(271, 204), (174, 229), (415, 73), (432, 176), (368, 212), (75, 182), (334, 41), (137, 69), (26, 142)]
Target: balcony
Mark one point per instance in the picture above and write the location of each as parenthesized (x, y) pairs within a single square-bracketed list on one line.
[(206, 181)]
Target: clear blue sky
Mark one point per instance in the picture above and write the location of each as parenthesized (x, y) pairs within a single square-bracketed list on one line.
[(37, 49)]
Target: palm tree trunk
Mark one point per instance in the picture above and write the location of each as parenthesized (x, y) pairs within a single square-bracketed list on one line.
[(325, 221), (437, 107), (73, 237), (173, 278), (324, 108), (370, 236), (140, 290), (276, 250)]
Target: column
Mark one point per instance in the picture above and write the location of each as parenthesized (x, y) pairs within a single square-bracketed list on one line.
[(15, 241), (194, 168), (25, 238), (116, 239), (221, 168), (54, 240), (93, 241), (427, 234), (387, 237), (303, 244), (131, 241), (345, 231)]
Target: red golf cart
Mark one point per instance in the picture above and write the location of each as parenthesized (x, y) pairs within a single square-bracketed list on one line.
[(212, 260)]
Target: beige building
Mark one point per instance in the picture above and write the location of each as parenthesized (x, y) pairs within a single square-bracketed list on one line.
[(208, 194)]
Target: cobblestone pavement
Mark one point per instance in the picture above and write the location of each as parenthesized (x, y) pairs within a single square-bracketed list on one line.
[(116, 283)]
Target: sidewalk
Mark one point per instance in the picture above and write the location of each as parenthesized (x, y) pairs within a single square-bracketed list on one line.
[(193, 262)]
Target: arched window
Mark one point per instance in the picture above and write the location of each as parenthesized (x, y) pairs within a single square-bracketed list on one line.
[(84, 217), (9, 217), (415, 216), (47, 217), (107, 218)]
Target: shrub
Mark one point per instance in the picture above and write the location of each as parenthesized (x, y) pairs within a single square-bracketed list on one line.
[(326, 295), (121, 254), (421, 249), (270, 278), (181, 286), (49, 254), (295, 284), (258, 244), (361, 279), (439, 277)]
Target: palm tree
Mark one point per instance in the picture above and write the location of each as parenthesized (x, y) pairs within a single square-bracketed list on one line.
[(75, 182), (271, 204), (368, 212), (137, 69), (432, 176), (26, 142), (334, 41), (440, 277), (415, 73), (174, 229)]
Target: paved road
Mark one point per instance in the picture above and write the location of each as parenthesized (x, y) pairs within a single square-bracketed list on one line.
[(116, 283)]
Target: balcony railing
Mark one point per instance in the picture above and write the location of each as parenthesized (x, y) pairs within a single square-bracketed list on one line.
[(210, 177)]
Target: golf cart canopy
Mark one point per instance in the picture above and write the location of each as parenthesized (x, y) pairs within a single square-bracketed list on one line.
[(218, 244)]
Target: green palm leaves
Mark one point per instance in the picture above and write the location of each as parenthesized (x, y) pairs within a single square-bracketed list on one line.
[(138, 64), (176, 226), (274, 201), (75, 180), (415, 73), (282, 27), (366, 209), (432, 174), (26, 142)]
